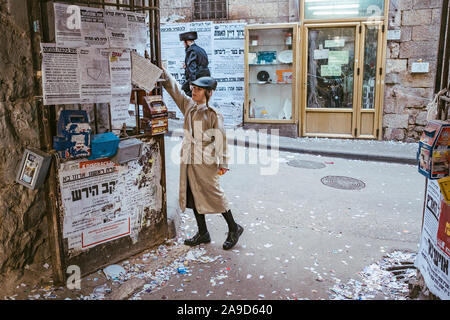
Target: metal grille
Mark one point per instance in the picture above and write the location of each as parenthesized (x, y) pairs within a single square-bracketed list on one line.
[(144, 6), (210, 9)]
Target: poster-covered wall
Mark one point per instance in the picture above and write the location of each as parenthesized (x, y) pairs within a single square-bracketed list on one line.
[(224, 44), (91, 63), (103, 201), (90, 60), (434, 252)]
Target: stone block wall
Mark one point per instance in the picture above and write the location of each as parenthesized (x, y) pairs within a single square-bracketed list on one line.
[(407, 94), (250, 11), (23, 227)]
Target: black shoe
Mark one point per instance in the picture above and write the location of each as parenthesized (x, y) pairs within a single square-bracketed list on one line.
[(233, 237), (198, 239)]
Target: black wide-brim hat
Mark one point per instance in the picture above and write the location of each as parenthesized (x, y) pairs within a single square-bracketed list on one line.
[(192, 35), (205, 83)]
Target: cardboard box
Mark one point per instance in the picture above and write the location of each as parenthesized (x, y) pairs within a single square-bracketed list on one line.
[(433, 154)]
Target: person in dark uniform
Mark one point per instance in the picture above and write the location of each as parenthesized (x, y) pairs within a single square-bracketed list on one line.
[(195, 61)]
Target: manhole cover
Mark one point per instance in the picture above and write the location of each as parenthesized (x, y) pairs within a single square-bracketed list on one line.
[(345, 183), (306, 164)]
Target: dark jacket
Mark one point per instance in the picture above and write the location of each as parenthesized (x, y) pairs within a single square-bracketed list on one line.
[(196, 61)]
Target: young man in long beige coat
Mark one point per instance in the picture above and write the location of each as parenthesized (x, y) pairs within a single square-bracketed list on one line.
[(203, 158)]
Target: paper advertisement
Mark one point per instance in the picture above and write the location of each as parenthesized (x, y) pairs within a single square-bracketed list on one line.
[(116, 22), (328, 70), (102, 201), (119, 106), (338, 57), (60, 75), (67, 25), (120, 68), (93, 27), (321, 54), (87, 194), (138, 32), (227, 66), (173, 52), (334, 43), (95, 79), (224, 44)]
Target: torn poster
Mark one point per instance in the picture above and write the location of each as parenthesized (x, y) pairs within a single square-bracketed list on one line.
[(103, 201)]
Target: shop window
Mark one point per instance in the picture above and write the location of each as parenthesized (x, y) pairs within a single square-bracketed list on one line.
[(370, 67), (210, 9), (270, 74), (331, 67), (342, 9)]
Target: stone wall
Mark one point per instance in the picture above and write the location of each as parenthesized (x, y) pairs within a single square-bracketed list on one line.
[(250, 11), (407, 94), (23, 228)]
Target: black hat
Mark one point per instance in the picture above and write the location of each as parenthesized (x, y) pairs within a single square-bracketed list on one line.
[(205, 83), (192, 35)]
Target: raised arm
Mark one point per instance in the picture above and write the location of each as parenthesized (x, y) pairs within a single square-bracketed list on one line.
[(175, 91)]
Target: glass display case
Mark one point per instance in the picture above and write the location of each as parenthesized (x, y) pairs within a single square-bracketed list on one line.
[(270, 72)]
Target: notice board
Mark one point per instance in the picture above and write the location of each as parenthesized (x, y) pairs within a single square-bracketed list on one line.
[(99, 212)]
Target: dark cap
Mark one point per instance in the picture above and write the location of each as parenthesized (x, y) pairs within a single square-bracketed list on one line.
[(192, 35), (205, 83)]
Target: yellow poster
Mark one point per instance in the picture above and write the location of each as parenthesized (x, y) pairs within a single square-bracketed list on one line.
[(444, 184)]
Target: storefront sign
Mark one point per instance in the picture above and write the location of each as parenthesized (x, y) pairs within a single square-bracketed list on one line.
[(341, 9), (394, 34)]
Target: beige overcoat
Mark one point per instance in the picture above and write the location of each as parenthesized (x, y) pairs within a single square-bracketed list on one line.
[(203, 151)]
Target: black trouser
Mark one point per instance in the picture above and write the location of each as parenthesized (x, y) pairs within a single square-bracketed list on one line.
[(200, 218)]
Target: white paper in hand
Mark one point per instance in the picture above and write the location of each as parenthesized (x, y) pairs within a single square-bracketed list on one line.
[(144, 74)]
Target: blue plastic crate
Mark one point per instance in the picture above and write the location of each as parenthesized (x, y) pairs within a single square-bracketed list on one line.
[(104, 145)]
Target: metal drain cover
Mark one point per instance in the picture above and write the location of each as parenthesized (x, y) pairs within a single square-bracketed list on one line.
[(345, 183), (306, 164)]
